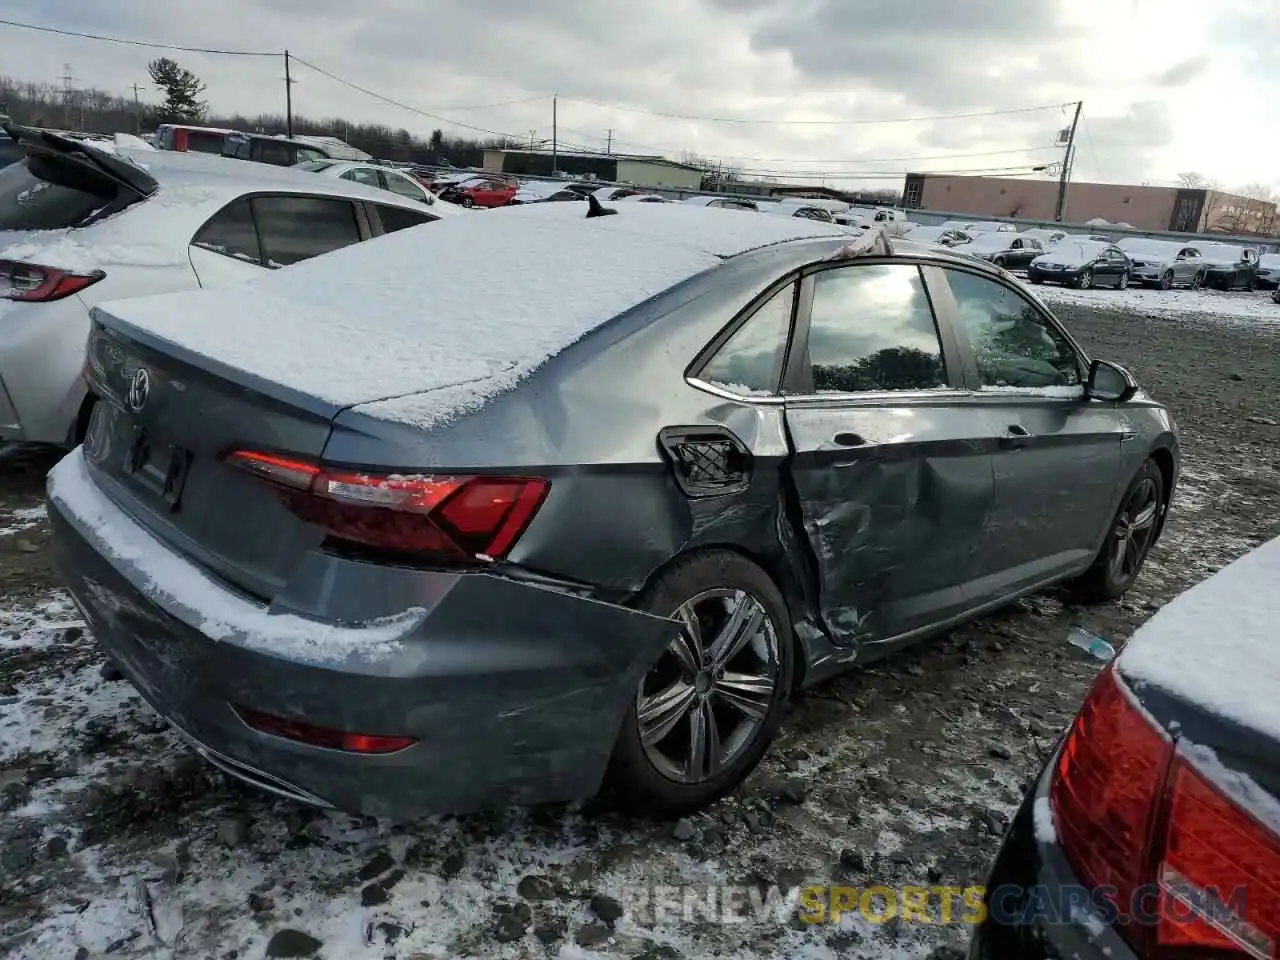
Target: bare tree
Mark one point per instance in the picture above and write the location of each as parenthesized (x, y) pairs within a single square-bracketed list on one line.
[(1259, 191), (1193, 180)]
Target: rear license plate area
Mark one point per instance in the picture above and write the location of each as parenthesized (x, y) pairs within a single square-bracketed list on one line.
[(157, 467)]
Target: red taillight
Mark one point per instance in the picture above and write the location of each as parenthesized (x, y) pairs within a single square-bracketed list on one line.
[(1108, 774), (33, 283), (1132, 814), (312, 735), (441, 515), (1220, 865)]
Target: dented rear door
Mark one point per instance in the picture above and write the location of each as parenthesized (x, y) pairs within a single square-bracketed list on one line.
[(891, 468)]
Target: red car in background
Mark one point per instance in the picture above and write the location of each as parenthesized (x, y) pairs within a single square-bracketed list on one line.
[(480, 192), (189, 139)]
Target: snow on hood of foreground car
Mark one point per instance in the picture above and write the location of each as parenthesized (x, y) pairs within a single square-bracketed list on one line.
[(1215, 645), (473, 304)]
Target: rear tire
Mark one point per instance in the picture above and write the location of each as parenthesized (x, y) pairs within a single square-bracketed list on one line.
[(1128, 540), (654, 770), (1197, 280), (1123, 282)]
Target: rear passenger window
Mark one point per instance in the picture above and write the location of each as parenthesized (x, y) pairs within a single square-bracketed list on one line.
[(363, 175), (299, 228), (37, 194), (750, 361), (397, 218), (872, 329), (231, 233)]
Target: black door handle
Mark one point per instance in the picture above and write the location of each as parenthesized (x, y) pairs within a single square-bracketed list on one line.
[(848, 439)]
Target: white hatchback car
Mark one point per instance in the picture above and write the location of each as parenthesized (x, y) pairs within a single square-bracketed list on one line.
[(81, 225)]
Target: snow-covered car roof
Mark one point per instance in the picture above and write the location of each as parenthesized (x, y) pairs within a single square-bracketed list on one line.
[(1074, 252), (988, 240), (338, 330), (1224, 253), (541, 188), (192, 187), (1215, 645), (1150, 245)]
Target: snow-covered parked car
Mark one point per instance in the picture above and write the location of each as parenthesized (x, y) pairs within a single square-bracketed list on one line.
[(1228, 267), (404, 527), (1083, 264), (1047, 238), (546, 191), (1155, 825), (1008, 250), (1268, 275), (80, 225), (1163, 263), (374, 175), (723, 203)]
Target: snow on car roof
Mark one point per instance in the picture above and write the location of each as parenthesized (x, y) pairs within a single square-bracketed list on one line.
[(368, 322), (192, 188), (1214, 645)]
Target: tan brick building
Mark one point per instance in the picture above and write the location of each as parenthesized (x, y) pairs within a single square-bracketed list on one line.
[(1190, 210)]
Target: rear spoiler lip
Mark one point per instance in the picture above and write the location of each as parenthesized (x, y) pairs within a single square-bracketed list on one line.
[(37, 142)]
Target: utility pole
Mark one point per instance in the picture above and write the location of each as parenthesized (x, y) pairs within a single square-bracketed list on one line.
[(137, 111), (1064, 176), (67, 79), (288, 97), (555, 151), (608, 148), (532, 135)]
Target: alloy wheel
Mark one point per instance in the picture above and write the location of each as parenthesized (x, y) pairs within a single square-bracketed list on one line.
[(1086, 280), (1134, 530), (1166, 281), (1123, 283), (703, 702)]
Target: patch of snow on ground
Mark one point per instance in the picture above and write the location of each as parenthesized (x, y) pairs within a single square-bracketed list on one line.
[(1250, 308), (24, 518)]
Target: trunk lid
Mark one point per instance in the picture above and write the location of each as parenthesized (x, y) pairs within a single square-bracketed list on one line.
[(166, 419)]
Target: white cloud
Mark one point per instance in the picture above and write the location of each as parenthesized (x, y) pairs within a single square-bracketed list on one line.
[(1156, 102)]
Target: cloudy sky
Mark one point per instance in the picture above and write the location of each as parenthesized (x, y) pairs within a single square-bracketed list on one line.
[(1168, 85)]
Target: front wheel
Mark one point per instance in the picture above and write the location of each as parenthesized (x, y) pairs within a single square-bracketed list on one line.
[(467, 202), (709, 706), (1166, 280), (1128, 542), (1085, 280), (999, 262)]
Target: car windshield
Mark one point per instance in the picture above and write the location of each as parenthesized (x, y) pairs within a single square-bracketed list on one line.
[(42, 194)]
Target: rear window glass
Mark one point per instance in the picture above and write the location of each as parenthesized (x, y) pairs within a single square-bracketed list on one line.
[(38, 195), (298, 228), (397, 218), (231, 232)]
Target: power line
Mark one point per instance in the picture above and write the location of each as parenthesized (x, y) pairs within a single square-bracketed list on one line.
[(140, 43), (404, 106), (749, 120)]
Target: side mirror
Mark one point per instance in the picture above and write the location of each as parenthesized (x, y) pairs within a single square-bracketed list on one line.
[(1110, 381)]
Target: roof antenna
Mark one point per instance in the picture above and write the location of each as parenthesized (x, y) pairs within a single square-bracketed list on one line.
[(594, 209)]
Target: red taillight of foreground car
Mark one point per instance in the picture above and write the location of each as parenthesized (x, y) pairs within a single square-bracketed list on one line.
[(314, 736), (437, 515), (33, 283), (1132, 815)]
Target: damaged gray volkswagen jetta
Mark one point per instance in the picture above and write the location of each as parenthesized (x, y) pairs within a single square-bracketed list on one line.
[(390, 534)]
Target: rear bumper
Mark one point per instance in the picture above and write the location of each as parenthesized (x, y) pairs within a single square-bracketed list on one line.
[(515, 693), (1036, 909), (41, 357), (1052, 276)]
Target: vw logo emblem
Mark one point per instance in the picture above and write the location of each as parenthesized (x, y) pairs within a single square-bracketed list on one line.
[(139, 389)]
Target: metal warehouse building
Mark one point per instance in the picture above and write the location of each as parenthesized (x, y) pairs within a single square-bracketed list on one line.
[(611, 168)]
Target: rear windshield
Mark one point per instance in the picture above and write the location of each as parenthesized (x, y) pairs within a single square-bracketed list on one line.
[(37, 194)]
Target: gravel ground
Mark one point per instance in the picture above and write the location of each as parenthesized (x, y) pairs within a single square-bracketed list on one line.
[(114, 839)]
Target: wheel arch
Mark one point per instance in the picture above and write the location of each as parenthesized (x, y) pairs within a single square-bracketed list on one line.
[(1163, 458), (775, 567)]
